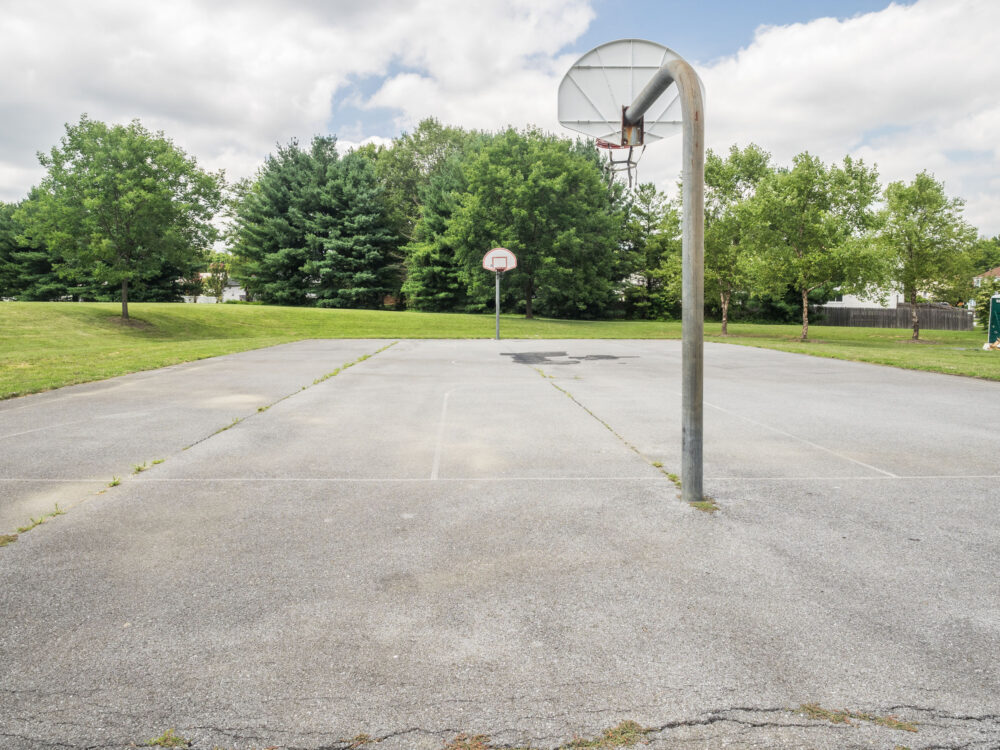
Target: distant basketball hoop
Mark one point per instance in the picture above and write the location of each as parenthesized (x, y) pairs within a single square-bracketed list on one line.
[(498, 260)]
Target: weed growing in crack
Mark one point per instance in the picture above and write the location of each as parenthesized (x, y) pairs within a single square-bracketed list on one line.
[(139, 468), (708, 505), (157, 461), (40, 520), (360, 740), (227, 427), (115, 481), (343, 367), (169, 739), (843, 716), (626, 734), (469, 742), (6, 539)]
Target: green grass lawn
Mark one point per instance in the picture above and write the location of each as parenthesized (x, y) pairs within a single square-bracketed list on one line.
[(46, 345)]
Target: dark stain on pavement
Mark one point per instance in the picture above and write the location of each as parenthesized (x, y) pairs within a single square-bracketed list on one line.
[(556, 358)]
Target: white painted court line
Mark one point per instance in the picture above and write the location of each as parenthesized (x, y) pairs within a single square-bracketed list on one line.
[(851, 479), (64, 481), (440, 437), (40, 429), (507, 479), (802, 440), (401, 480)]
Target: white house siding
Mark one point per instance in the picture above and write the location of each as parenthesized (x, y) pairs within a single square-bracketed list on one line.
[(850, 300)]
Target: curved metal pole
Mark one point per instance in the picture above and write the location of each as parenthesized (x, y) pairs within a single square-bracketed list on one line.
[(693, 252)]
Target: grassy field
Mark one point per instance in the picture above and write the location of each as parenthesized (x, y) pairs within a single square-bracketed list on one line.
[(46, 345)]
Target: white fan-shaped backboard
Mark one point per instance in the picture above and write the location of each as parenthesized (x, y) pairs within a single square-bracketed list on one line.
[(609, 77)]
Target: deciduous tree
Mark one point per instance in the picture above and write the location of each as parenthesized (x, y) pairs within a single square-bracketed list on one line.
[(545, 200), (118, 203), (729, 183), (807, 225), (926, 238)]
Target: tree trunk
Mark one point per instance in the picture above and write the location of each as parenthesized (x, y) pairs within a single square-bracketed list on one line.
[(724, 297), (805, 314), (125, 299), (914, 318), (529, 292)]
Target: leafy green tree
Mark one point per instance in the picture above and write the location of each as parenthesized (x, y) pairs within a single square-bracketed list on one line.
[(408, 166), (545, 200), (729, 183), (218, 276), (985, 255), (983, 293), (650, 239), (434, 279), (119, 203), (927, 240), (807, 225)]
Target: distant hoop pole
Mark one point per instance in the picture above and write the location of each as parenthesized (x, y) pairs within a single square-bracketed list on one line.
[(693, 252), (498, 260)]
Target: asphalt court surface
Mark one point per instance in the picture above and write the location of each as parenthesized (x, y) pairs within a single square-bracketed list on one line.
[(474, 536)]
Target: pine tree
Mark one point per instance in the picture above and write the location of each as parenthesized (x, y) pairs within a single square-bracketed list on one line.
[(27, 270), (434, 279), (350, 238), (312, 230), (274, 219)]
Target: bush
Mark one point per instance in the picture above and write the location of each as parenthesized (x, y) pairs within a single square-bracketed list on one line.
[(987, 289)]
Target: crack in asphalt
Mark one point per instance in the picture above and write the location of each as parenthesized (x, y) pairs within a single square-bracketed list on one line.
[(730, 715)]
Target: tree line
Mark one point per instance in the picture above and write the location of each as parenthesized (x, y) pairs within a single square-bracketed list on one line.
[(123, 213)]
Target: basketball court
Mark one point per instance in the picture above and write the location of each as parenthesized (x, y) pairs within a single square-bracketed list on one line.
[(474, 537)]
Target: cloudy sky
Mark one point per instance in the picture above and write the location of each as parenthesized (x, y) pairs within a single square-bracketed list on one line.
[(907, 85)]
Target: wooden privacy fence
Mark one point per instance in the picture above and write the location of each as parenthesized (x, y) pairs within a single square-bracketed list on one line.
[(931, 317)]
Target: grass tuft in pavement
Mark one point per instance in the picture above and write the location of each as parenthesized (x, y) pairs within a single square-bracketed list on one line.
[(35, 522), (843, 716), (169, 739), (708, 505), (625, 734)]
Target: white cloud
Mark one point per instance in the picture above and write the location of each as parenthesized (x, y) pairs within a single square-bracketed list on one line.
[(227, 80), (909, 88)]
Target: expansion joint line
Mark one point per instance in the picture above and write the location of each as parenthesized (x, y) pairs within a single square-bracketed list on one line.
[(317, 381), (655, 464), (6, 539)]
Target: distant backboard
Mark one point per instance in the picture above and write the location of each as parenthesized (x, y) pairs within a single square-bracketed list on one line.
[(499, 259), (595, 92)]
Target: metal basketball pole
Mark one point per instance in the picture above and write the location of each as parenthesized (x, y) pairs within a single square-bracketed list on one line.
[(693, 252), (498, 305)]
